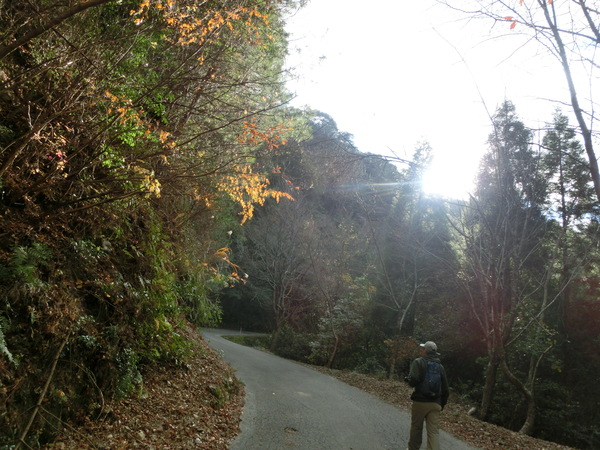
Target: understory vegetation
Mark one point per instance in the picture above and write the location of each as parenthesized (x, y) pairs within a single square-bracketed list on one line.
[(152, 173)]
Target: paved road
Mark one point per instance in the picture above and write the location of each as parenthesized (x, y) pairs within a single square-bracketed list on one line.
[(291, 406)]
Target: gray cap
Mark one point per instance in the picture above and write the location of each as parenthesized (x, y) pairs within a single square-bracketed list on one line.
[(430, 347)]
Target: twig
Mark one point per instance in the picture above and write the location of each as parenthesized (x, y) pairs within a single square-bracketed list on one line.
[(21, 441), (72, 428)]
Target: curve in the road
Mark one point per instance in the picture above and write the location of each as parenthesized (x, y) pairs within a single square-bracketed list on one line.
[(289, 405)]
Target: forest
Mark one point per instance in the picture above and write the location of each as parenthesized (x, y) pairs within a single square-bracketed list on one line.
[(152, 173)]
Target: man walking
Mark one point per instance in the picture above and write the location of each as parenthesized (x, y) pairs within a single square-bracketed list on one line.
[(428, 377)]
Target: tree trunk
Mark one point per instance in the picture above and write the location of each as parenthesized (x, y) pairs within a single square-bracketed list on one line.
[(488, 390), (579, 114), (275, 338), (392, 367), (277, 310), (529, 423), (403, 328), (336, 346)]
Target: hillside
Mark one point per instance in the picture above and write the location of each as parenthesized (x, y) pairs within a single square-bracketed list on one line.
[(196, 405)]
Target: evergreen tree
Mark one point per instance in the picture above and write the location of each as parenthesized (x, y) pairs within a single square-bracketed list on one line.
[(502, 228)]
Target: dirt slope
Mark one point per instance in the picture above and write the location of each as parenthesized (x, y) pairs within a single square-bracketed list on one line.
[(195, 406)]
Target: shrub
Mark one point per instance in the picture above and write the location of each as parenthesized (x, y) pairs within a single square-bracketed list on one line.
[(293, 345), (371, 366)]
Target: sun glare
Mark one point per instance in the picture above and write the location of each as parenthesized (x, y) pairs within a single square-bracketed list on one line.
[(450, 181)]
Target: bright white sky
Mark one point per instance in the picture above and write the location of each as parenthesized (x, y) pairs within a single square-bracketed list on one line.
[(394, 73)]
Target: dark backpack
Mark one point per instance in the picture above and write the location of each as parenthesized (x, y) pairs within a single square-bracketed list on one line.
[(431, 385)]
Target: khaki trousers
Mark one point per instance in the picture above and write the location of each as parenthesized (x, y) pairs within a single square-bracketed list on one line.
[(425, 412)]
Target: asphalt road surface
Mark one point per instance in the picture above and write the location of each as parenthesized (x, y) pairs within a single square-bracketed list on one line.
[(289, 405)]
